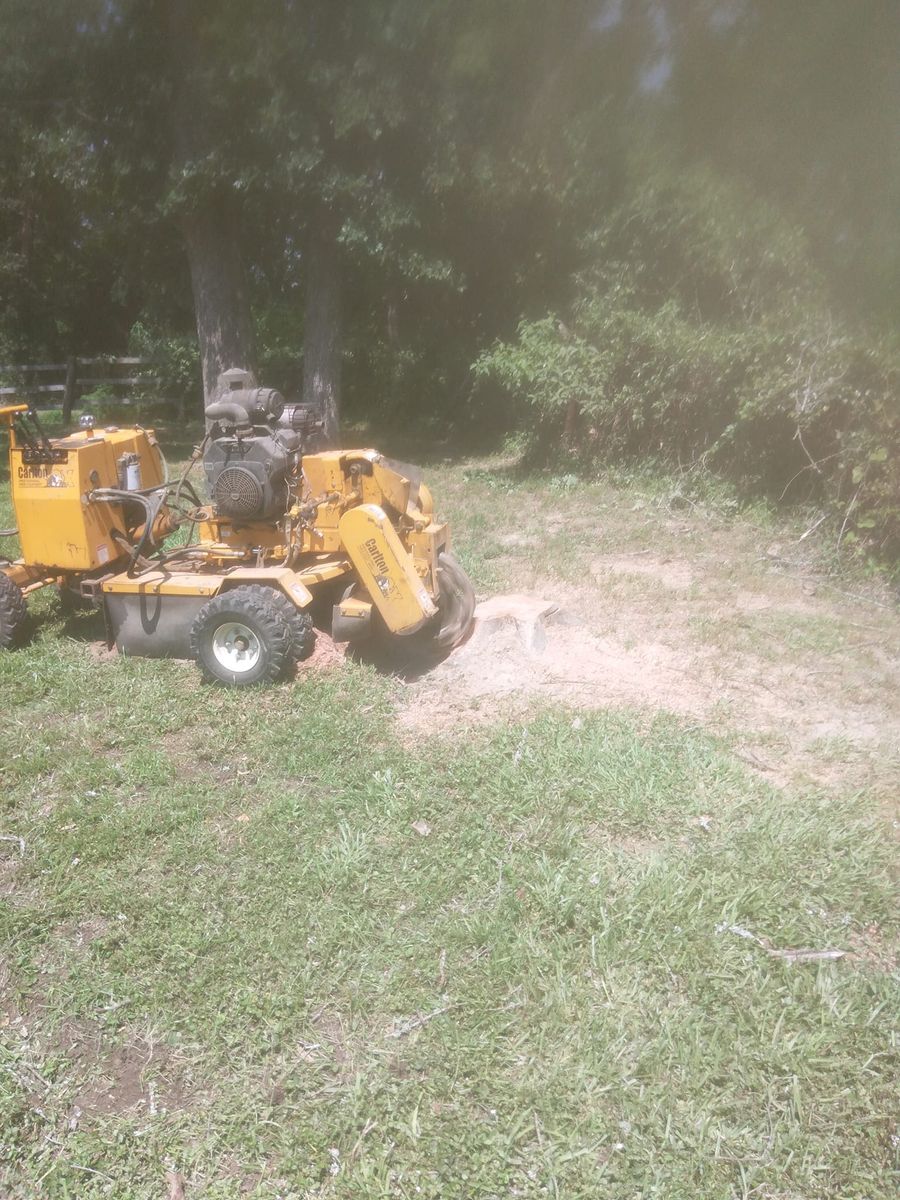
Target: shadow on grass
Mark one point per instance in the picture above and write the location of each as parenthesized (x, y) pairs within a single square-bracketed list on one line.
[(84, 625), (396, 660)]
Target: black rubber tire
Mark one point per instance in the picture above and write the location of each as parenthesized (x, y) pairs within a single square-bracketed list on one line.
[(303, 632), (456, 603), (13, 612), (252, 607)]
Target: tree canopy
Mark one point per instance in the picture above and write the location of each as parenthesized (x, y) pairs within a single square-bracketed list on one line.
[(637, 225)]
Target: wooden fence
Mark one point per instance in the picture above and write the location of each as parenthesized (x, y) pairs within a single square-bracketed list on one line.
[(65, 383)]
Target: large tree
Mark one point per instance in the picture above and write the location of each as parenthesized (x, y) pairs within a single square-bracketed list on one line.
[(390, 184), (207, 123), (803, 101), (82, 244)]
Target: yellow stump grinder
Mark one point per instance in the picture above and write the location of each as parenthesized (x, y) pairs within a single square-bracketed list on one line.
[(97, 517)]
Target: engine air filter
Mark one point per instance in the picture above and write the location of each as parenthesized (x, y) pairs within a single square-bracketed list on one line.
[(238, 493)]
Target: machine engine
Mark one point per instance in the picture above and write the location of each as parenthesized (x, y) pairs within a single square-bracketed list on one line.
[(252, 452)]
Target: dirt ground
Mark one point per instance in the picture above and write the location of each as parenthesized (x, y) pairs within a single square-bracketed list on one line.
[(800, 672)]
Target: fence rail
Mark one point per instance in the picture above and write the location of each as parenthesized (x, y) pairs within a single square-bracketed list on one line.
[(35, 382)]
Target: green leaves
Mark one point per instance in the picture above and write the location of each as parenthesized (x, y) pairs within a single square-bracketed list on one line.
[(699, 327)]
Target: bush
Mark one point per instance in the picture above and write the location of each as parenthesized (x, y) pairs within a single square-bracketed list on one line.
[(103, 404), (174, 378), (702, 334)]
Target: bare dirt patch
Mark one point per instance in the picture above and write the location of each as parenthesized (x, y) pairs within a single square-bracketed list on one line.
[(326, 653), (136, 1076), (522, 646), (514, 656), (804, 678), (100, 652)]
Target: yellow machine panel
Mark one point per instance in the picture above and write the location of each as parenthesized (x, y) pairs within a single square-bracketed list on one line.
[(323, 472), (385, 569), (58, 527), (190, 583)]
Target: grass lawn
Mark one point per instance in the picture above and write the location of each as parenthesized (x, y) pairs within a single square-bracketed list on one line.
[(274, 945)]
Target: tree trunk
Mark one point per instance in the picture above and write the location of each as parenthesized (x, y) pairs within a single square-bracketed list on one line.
[(224, 327), (69, 393), (570, 427), (210, 224), (322, 322)]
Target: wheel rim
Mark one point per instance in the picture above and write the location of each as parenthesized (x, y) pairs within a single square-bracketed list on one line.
[(236, 647)]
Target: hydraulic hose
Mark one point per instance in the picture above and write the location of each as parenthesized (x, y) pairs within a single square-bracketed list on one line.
[(151, 503)]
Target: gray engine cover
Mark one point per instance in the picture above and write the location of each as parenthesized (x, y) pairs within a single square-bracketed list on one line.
[(246, 475)]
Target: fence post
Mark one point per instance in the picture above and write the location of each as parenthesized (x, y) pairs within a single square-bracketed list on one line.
[(69, 393)]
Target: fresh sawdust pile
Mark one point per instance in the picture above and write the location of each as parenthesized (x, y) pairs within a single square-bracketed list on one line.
[(325, 654), (522, 646), (779, 709)]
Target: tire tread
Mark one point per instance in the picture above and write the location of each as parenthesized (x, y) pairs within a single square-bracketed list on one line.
[(303, 633), (13, 612), (256, 603)]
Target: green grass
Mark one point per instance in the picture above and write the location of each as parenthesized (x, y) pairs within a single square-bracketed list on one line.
[(229, 891), (229, 953), (775, 632)]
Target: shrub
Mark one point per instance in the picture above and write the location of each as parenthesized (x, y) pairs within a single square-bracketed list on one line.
[(174, 378), (701, 333)]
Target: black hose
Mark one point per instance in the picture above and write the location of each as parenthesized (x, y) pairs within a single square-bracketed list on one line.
[(191, 493), (147, 535), (125, 546), (151, 510)]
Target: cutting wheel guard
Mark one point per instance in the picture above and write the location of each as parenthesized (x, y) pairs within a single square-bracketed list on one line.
[(385, 569)]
